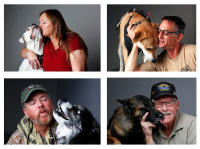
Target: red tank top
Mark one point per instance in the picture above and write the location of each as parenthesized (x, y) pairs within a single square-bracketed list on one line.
[(55, 59)]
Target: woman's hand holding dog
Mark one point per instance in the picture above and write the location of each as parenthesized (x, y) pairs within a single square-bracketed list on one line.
[(147, 129), (32, 58)]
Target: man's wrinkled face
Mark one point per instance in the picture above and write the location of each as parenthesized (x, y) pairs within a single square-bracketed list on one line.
[(169, 107), (39, 108), (167, 41)]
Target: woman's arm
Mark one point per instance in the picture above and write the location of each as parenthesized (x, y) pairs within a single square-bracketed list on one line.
[(78, 60), (32, 58)]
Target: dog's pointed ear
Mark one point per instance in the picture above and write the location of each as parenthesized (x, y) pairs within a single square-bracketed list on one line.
[(122, 101), (21, 40)]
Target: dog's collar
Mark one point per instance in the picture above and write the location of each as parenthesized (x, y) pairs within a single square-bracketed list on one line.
[(140, 22), (144, 14)]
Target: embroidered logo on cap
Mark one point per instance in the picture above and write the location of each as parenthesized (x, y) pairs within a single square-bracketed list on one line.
[(29, 87), (164, 87)]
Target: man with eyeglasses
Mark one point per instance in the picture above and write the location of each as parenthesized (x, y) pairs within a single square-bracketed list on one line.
[(178, 128), (37, 125), (175, 57)]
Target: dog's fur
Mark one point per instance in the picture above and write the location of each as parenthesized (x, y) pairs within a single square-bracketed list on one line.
[(145, 37), (32, 37), (124, 127), (76, 125)]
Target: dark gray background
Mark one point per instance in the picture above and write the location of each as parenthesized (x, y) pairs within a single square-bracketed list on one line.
[(83, 19), (115, 12), (85, 92), (121, 88)]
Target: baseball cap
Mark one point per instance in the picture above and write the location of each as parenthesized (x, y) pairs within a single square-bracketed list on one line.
[(162, 89), (30, 89)]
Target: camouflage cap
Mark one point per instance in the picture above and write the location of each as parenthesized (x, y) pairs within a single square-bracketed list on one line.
[(30, 89)]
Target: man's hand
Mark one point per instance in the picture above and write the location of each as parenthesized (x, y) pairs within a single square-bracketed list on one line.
[(130, 31), (131, 63), (147, 129)]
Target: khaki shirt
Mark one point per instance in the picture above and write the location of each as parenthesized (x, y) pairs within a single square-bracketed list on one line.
[(184, 61), (184, 131)]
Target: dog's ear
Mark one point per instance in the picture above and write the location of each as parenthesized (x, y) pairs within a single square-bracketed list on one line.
[(139, 35), (21, 40), (122, 101)]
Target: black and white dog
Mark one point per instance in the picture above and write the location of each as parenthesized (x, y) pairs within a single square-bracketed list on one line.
[(32, 37), (76, 125)]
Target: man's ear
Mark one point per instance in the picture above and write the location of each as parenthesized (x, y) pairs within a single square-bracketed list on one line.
[(178, 103), (154, 25), (180, 37), (25, 112)]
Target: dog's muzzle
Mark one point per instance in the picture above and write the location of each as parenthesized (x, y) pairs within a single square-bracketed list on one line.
[(61, 113)]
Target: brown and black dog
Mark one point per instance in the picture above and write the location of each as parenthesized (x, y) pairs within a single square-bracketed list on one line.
[(145, 36), (124, 127)]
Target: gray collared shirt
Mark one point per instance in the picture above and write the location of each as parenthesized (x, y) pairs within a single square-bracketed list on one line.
[(184, 131)]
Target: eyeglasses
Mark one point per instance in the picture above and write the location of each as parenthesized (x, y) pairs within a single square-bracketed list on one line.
[(167, 104), (165, 32)]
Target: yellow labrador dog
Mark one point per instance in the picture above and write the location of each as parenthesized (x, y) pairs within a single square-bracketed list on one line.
[(145, 36)]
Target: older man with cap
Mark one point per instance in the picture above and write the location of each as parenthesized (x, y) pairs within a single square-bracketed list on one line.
[(178, 128), (37, 126)]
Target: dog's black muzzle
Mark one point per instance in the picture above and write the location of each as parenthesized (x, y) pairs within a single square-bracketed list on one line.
[(61, 113), (59, 110), (155, 117), (154, 60)]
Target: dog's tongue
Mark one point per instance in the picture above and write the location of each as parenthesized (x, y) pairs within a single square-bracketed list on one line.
[(33, 33)]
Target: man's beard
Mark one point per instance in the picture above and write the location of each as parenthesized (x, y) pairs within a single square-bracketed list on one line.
[(41, 122)]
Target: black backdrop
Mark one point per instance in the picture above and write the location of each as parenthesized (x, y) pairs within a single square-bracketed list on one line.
[(85, 92)]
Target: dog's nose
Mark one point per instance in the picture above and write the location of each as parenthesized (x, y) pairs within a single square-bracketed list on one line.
[(154, 60), (35, 25), (160, 115)]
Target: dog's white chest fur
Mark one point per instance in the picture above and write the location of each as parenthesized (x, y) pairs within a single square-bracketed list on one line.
[(33, 39), (65, 134)]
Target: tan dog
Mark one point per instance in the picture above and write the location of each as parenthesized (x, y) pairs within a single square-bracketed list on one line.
[(145, 36)]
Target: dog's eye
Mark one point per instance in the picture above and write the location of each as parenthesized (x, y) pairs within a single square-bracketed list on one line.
[(78, 112), (149, 49), (143, 109)]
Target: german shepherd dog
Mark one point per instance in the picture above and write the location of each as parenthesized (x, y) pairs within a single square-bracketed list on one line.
[(124, 127), (145, 36), (76, 125)]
